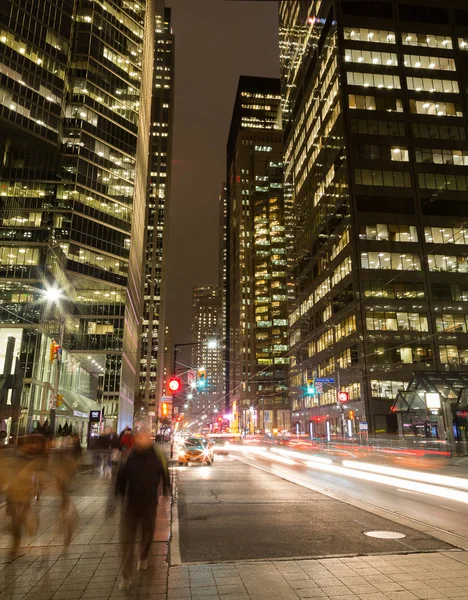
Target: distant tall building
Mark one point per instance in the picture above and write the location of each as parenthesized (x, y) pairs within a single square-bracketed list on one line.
[(257, 288), (75, 99), (152, 364), (376, 161), (206, 332)]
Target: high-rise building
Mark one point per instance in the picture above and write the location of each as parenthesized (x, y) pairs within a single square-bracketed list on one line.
[(206, 333), (257, 274), (152, 375), (207, 356), (376, 157), (222, 277), (75, 99)]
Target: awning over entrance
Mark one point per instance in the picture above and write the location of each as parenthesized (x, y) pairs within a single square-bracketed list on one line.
[(76, 405), (426, 386), (409, 402)]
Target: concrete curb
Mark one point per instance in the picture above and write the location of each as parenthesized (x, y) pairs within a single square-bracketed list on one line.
[(174, 558)]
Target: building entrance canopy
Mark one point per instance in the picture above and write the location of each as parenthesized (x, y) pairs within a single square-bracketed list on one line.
[(76, 405), (428, 389)]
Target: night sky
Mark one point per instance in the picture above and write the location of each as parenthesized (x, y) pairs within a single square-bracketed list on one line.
[(216, 41)]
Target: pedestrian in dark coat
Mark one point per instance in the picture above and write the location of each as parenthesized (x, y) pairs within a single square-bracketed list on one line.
[(138, 483)]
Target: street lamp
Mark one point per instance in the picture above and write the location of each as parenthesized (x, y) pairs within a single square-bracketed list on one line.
[(212, 344)]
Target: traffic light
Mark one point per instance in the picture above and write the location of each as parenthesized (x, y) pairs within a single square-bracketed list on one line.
[(311, 386), (351, 415), (54, 350), (174, 384), (202, 377)]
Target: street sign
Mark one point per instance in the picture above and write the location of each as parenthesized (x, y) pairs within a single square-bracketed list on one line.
[(324, 380), (343, 396), (318, 387), (95, 416)]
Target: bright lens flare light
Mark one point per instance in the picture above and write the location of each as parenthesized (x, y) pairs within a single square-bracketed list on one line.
[(53, 294)]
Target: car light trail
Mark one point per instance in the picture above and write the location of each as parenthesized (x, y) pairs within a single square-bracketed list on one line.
[(267, 453), (454, 482), (300, 455), (412, 486), (281, 459)]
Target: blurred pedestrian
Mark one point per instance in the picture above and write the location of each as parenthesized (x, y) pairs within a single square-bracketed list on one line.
[(138, 483), (126, 443), (126, 439), (3, 432), (75, 446), (22, 475)]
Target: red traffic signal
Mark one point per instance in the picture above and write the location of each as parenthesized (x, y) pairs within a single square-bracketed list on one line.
[(174, 384)]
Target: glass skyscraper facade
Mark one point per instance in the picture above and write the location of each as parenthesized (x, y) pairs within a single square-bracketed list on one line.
[(257, 274), (156, 219), (75, 90), (375, 117)]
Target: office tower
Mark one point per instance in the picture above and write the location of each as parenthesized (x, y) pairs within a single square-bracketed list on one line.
[(206, 333), (75, 91), (222, 279), (376, 158), (152, 375), (257, 294)]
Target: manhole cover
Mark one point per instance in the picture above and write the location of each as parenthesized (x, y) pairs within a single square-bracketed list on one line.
[(385, 535)]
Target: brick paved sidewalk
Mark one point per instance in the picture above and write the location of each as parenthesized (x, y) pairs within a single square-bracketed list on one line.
[(89, 567), (428, 576)]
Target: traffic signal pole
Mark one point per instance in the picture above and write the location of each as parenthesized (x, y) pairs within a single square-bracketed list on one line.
[(58, 367), (174, 374)]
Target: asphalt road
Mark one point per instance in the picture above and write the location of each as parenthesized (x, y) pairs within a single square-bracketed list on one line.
[(234, 511), (443, 513)]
